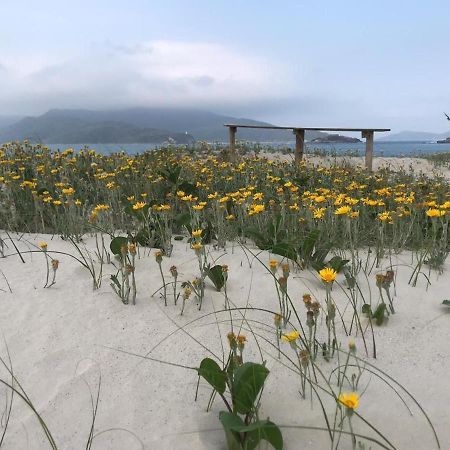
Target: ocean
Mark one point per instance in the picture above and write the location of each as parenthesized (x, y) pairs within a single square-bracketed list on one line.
[(380, 148)]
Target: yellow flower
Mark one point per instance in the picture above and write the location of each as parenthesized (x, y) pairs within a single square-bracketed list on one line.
[(256, 209), (197, 233), (327, 274), (384, 216), (198, 207), (101, 207), (318, 213), (433, 212), (68, 191), (290, 337), (197, 246), (139, 205), (273, 264), (343, 210), (319, 199), (43, 245), (230, 217), (349, 399)]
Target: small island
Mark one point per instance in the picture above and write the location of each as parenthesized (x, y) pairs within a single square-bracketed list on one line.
[(444, 141), (332, 138)]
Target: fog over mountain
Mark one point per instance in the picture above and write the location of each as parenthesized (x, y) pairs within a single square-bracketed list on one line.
[(136, 125)]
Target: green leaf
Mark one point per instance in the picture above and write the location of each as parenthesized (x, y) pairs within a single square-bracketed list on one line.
[(379, 314), (143, 237), (183, 219), (317, 266), (260, 240), (188, 188), (366, 309), (230, 421), (351, 281), (171, 173), (115, 280), (140, 214), (309, 242), (248, 382), (256, 431), (337, 263), (446, 302), (320, 254), (117, 243), (215, 274), (284, 249), (213, 374)]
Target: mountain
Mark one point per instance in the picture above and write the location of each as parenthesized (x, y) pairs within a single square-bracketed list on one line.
[(53, 128), (8, 120), (135, 125), (336, 138), (414, 136)]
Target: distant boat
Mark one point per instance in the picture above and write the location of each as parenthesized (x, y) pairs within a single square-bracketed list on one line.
[(444, 141)]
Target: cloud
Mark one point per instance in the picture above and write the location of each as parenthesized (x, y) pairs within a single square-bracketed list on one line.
[(157, 73)]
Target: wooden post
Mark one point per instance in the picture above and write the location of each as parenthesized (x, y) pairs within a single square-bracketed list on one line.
[(232, 139), (368, 135), (299, 142)]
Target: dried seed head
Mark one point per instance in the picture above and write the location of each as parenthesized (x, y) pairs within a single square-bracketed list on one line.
[(273, 264), (232, 340), (352, 346), (55, 264), (241, 340), (380, 279), (174, 271), (158, 257), (310, 318), (304, 358), (307, 300), (315, 307), (283, 283), (277, 320)]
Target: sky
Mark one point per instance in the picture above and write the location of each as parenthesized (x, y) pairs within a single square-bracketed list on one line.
[(305, 63)]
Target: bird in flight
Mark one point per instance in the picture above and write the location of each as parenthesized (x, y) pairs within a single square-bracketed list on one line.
[(446, 115)]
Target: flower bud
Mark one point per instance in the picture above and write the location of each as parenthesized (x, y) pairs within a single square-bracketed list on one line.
[(310, 318)]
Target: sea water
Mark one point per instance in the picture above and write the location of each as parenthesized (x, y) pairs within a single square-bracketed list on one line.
[(380, 148)]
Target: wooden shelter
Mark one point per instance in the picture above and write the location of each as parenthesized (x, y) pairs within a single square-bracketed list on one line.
[(366, 133)]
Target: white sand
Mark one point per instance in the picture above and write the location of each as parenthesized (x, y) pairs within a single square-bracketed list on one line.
[(51, 332), (409, 164)]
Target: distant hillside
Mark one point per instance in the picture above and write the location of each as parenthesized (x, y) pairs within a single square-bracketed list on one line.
[(53, 128), (137, 125), (8, 120), (414, 136)]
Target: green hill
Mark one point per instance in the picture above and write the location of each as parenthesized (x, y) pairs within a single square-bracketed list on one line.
[(137, 125)]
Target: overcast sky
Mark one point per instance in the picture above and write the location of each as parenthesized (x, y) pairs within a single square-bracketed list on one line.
[(307, 63)]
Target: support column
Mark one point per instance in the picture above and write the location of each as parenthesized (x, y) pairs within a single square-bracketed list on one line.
[(299, 143), (368, 135), (232, 139)]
